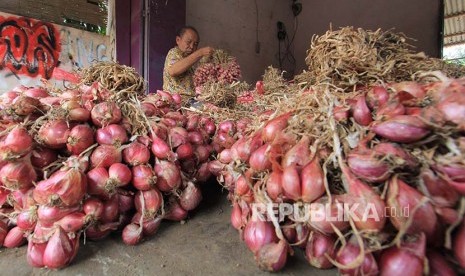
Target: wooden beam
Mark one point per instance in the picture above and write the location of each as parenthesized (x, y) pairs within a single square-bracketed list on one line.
[(452, 16), (446, 44), (454, 34)]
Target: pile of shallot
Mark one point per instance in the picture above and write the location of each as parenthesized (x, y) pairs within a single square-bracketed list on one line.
[(375, 184), (73, 165), (222, 68)]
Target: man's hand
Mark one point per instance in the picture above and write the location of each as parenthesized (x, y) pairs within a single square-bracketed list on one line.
[(184, 64), (206, 51)]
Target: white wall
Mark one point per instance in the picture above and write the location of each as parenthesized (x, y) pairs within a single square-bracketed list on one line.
[(231, 24)]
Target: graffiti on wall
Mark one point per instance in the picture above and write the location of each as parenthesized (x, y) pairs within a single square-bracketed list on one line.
[(31, 50), (28, 46)]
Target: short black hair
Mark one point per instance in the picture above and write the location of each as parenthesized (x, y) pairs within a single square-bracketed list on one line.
[(182, 30)]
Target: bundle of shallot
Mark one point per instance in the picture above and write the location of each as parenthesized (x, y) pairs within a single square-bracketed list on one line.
[(384, 167), (221, 68), (92, 160)]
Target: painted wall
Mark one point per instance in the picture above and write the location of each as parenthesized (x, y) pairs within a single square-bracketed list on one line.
[(231, 24), (30, 50)]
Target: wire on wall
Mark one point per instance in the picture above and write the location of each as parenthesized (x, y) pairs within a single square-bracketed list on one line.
[(257, 42), (286, 59)]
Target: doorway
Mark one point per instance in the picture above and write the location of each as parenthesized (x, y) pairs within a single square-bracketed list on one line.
[(146, 30)]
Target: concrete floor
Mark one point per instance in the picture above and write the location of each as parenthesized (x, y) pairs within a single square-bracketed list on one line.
[(206, 245)]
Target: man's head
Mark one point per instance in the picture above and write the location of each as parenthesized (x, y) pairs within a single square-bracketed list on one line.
[(187, 40)]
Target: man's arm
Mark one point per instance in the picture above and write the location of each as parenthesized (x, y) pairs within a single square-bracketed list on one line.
[(184, 64)]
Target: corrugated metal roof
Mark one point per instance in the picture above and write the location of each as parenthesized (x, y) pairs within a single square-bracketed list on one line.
[(454, 22), (55, 11)]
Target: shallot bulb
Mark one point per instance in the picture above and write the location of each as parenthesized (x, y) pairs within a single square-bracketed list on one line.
[(227, 126), (72, 223), (409, 208), (14, 238), (132, 234), (27, 219), (126, 201), (143, 177), (18, 175), (326, 216), (413, 88), (36, 92), (453, 108), (407, 259), (298, 155), (48, 215), (390, 109), (259, 159), (35, 253), (341, 113), (105, 113), (60, 250), (54, 134), (248, 145), (168, 174), (111, 209), (203, 173), (236, 217), (190, 197), (80, 138), (368, 166), (93, 208), (258, 233), (150, 227), (177, 136), (185, 151), (112, 134), (438, 189), (369, 207), (161, 149), (272, 256), (174, 211), (274, 185), (43, 156), (275, 125), (317, 246), (377, 96), (64, 187), (105, 156), (402, 128), (119, 174), (17, 144), (24, 105), (312, 181), (148, 202), (352, 261), (136, 154), (361, 112)]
